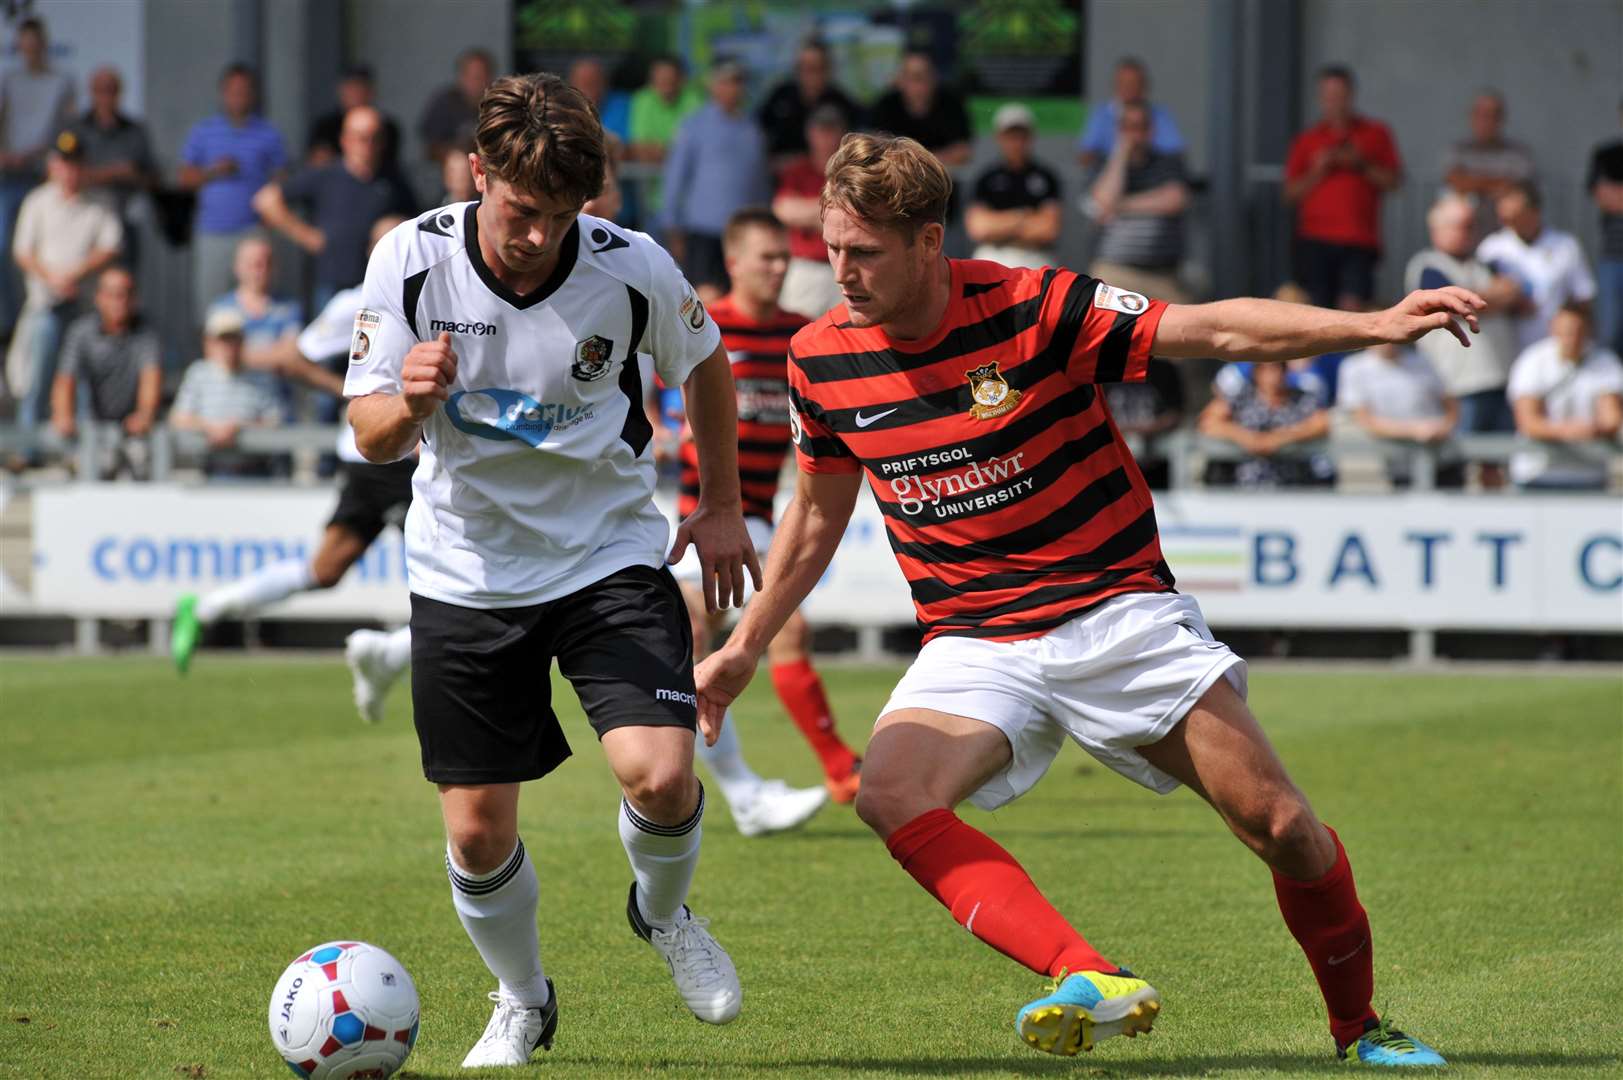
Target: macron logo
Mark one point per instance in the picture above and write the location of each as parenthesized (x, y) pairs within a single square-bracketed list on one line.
[(479, 329), (677, 696)]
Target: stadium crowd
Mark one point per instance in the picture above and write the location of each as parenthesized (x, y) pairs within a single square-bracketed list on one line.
[(80, 351)]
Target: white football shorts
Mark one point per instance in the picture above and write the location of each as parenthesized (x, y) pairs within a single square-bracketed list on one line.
[(1112, 680), (689, 571)]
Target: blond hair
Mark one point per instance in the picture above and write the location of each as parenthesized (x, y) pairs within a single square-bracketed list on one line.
[(543, 136), (887, 180)]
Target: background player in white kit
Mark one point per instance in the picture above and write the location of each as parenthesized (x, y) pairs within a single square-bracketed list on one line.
[(503, 335), (370, 497)]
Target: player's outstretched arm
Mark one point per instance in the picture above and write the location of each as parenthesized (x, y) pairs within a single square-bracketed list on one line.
[(803, 544), (716, 528), (1249, 329), (388, 426)]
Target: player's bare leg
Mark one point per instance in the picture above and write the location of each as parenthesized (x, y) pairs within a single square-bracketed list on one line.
[(921, 763), (495, 892), (800, 689), (758, 806), (1222, 754), (660, 818)]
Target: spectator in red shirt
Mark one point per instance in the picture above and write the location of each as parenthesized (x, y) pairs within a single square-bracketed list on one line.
[(1335, 176), (809, 288)]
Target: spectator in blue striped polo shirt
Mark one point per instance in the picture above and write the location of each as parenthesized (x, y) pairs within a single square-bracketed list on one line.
[(226, 159), (218, 398)]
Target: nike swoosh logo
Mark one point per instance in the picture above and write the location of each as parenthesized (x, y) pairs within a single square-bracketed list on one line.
[(1334, 960), (864, 421)]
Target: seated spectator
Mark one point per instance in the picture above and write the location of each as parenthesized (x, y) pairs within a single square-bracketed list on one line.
[(343, 198), (227, 158), (1547, 264), (1131, 86), (590, 77), (1605, 182), (1266, 417), (115, 356), (788, 108), (1393, 393), (269, 322), (1474, 376), (1138, 200), (1480, 168), (809, 289), (451, 115), (716, 167), (1014, 217), (1336, 175), (1149, 408), (1565, 389), (118, 158), (63, 238), (657, 112), (35, 103), (355, 89), (217, 399)]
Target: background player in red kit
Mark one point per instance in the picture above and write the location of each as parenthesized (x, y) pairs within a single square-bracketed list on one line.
[(968, 393), (755, 332)]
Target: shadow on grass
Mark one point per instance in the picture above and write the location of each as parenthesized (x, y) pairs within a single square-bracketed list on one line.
[(1181, 1065)]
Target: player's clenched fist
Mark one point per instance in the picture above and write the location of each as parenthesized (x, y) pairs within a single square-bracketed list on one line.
[(426, 376)]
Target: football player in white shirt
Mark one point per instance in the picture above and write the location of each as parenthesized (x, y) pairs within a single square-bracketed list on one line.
[(503, 336), (371, 497)]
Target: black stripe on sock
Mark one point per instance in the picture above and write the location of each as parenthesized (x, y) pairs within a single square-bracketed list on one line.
[(485, 886), (654, 829)]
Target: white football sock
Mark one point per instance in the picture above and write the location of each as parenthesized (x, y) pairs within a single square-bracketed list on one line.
[(498, 912), (663, 858), (395, 649), (268, 584), (726, 763)]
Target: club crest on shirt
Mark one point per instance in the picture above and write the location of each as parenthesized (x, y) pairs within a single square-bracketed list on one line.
[(592, 358), (692, 312), (367, 322), (992, 393)]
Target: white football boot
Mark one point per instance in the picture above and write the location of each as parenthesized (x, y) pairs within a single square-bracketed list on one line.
[(776, 807), (514, 1032), (700, 967), (372, 675)]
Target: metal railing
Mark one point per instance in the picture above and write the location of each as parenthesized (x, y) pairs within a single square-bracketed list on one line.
[(1185, 450)]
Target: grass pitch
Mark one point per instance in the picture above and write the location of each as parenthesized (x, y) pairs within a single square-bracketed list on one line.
[(166, 847)]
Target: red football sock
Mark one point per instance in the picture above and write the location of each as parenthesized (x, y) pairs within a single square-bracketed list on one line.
[(1329, 923), (990, 894), (801, 692)]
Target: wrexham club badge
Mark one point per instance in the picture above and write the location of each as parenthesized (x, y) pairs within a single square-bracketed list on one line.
[(992, 393), (592, 358)]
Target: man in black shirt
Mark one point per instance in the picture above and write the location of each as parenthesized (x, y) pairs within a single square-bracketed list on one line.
[(1014, 218), (783, 117), (1606, 188), (920, 108)]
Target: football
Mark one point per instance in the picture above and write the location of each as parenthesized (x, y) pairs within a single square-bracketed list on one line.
[(343, 1011)]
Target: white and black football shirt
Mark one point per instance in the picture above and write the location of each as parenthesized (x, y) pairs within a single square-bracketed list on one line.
[(537, 476)]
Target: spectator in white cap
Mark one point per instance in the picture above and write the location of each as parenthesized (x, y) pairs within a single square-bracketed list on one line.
[(218, 399), (1014, 218)]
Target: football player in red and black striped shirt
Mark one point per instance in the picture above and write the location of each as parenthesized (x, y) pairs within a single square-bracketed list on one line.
[(968, 394), (756, 332)]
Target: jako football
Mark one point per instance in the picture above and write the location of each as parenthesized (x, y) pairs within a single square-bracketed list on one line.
[(344, 1011)]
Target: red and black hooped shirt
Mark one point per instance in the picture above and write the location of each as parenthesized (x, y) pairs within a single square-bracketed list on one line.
[(758, 351), (1011, 501)]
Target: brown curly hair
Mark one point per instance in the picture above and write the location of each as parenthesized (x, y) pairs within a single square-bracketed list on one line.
[(542, 135)]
